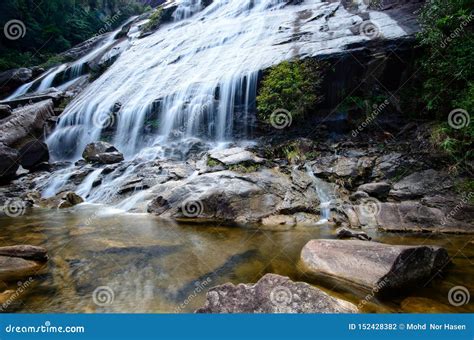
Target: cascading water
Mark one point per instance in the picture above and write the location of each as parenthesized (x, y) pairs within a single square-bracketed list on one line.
[(187, 8), (196, 77)]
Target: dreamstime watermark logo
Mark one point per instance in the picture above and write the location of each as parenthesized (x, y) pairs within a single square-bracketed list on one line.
[(281, 119), (104, 120), (459, 207), (200, 286), (14, 208), (457, 32), (103, 296), (369, 207), (14, 29), (380, 285), (377, 110), (459, 296), (459, 119), (281, 296), (369, 29), (192, 209), (22, 286)]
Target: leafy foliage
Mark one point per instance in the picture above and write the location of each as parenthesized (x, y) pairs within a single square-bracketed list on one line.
[(155, 20), (448, 72), (55, 25), (292, 86)]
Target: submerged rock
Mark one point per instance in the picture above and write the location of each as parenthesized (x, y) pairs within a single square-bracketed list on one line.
[(386, 268), (103, 153), (14, 268), (346, 233), (27, 252), (273, 294)]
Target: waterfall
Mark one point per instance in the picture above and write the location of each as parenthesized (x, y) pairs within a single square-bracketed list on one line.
[(325, 194), (86, 186), (192, 78)]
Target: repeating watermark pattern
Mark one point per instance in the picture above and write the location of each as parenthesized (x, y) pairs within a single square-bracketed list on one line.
[(200, 287), (377, 110), (369, 30), (14, 29), (459, 119), (457, 32), (192, 209), (104, 120), (22, 286), (459, 296), (105, 28), (281, 119), (460, 206), (281, 296), (103, 296), (369, 207), (14, 208), (380, 285)]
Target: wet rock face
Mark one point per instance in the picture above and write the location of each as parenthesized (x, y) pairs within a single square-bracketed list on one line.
[(273, 294), (5, 111), (387, 268), (33, 153), (9, 163), (26, 122), (103, 153), (14, 78), (18, 262)]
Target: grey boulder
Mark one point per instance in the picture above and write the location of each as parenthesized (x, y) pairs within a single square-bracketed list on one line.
[(375, 266), (273, 294)]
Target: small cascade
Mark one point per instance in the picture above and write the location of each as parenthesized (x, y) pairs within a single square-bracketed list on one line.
[(86, 186), (325, 194), (57, 182), (47, 82), (186, 8)]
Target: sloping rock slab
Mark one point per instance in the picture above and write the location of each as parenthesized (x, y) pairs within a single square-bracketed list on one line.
[(235, 156), (273, 294), (26, 122), (387, 268), (26, 252)]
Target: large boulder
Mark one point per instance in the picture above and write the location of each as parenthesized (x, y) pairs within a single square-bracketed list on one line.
[(33, 153), (9, 163), (25, 123), (235, 197), (374, 266), (103, 153), (273, 294)]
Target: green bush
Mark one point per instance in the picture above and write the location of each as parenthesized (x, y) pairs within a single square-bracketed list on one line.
[(291, 86), (155, 21)]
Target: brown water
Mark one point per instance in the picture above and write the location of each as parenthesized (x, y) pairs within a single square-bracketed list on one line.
[(154, 266)]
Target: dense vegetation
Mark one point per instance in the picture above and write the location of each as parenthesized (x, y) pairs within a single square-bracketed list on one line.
[(447, 74), (55, 25), (291, 86)]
